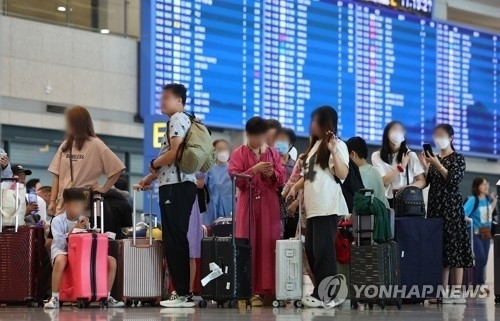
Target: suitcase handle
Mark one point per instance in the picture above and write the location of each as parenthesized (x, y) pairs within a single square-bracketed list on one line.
[(299, 226), (98, 202), (134, 228)]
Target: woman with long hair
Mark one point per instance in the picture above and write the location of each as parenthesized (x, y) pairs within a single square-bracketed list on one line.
[(396, 163), (263, 163), (479, 209), (325, 162), (445, 171), (81, 160)]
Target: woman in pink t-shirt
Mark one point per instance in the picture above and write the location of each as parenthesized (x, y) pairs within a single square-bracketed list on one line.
[(81, 159)]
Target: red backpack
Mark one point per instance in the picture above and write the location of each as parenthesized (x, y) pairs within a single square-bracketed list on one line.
[(343, 242)]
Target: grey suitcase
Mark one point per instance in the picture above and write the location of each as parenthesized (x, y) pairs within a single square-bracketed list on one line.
[(140, 267), (289, 274)]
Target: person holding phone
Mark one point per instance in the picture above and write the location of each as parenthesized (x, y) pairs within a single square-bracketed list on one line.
[(326, 157), (396, 163), (445, 171), (263, 163), (5, 165)]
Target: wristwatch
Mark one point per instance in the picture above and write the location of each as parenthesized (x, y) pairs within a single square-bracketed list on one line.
[(400, 168), (151, 163)]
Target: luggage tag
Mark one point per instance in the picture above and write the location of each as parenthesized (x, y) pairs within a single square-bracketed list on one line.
[(216, 272)]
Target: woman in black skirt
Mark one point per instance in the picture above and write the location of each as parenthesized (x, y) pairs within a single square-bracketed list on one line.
[(445, 171)]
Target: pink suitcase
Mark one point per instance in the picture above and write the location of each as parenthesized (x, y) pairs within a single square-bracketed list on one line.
[(85, 279)]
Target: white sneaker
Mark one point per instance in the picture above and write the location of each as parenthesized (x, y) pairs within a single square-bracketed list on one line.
[(331, 304), (177, 301), (112, 303), (53, 303), (311, 302), (454, 299)]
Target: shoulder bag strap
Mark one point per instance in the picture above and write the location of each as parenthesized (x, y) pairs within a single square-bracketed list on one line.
[(71, 164), (407, 175)]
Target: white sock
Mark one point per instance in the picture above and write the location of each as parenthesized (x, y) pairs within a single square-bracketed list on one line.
[(55, 295), (109, 294)]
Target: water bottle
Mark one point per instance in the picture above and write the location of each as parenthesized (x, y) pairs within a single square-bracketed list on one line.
[(32, 199)]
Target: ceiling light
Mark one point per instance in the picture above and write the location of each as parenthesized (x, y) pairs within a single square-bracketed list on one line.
[(104, 31), (61, 8)]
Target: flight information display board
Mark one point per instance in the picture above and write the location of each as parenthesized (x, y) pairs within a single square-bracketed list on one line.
[(419, 7), (281, 59)]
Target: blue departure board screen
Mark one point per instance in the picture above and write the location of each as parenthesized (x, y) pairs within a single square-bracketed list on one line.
[(281, 59), (419, 7)]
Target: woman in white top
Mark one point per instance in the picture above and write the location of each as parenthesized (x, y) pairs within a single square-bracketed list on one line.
[(326, 157), (396, 163)]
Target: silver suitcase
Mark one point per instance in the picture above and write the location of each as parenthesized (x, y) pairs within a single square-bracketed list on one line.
[(140, 267), (289, 269)]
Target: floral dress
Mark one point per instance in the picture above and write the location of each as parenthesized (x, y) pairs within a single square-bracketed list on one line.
[(445, 202)]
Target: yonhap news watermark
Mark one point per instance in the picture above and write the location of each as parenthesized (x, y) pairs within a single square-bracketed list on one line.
[(336, 288)]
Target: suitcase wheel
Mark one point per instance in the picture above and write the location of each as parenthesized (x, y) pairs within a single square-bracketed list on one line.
[(80, 304), (233, 304), (203, 304), (280, 304), (220, 304), (398, 305), (354, 305), (103, 303), (29, 303), (381, 304), (497, 299), (297, 304), (370, 306)]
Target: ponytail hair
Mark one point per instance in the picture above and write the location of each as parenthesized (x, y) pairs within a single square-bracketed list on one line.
[(449, 130)]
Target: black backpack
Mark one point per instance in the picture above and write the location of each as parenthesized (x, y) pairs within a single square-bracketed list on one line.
[(409, 201), (351, 184)]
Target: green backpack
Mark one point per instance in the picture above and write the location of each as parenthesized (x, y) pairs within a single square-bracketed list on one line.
[(196, 152)]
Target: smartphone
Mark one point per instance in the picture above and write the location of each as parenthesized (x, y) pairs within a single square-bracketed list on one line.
[(428, 149)]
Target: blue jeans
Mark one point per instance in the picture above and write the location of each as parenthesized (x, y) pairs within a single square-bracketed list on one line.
[(481, 251)]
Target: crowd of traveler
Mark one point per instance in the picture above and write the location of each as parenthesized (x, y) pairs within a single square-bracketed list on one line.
[(270, 158)]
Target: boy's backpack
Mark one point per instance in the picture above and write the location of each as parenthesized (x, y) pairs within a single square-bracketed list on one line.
[(352, 184), (196, 152)]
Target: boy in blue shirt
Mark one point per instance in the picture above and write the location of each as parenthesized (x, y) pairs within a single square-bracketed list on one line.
[(75, 202)]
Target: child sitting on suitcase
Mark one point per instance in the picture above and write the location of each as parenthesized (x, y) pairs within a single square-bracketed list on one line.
[(75, 202)]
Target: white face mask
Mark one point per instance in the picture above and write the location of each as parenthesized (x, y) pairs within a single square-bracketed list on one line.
[(223, 156), (441, 143), (397, 137)]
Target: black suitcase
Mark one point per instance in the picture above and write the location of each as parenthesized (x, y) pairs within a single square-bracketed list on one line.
[(234, 257), (235, 260), (222, 227), (375, 267), (496, 267), (420, 241)]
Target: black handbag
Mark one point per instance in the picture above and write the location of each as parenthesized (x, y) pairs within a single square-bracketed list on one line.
[(409, 200), (284, 214)]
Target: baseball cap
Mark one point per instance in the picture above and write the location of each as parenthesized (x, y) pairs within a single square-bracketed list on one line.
[(17, 169)]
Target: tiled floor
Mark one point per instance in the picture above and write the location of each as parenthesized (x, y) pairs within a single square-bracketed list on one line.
[(474, 310)]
